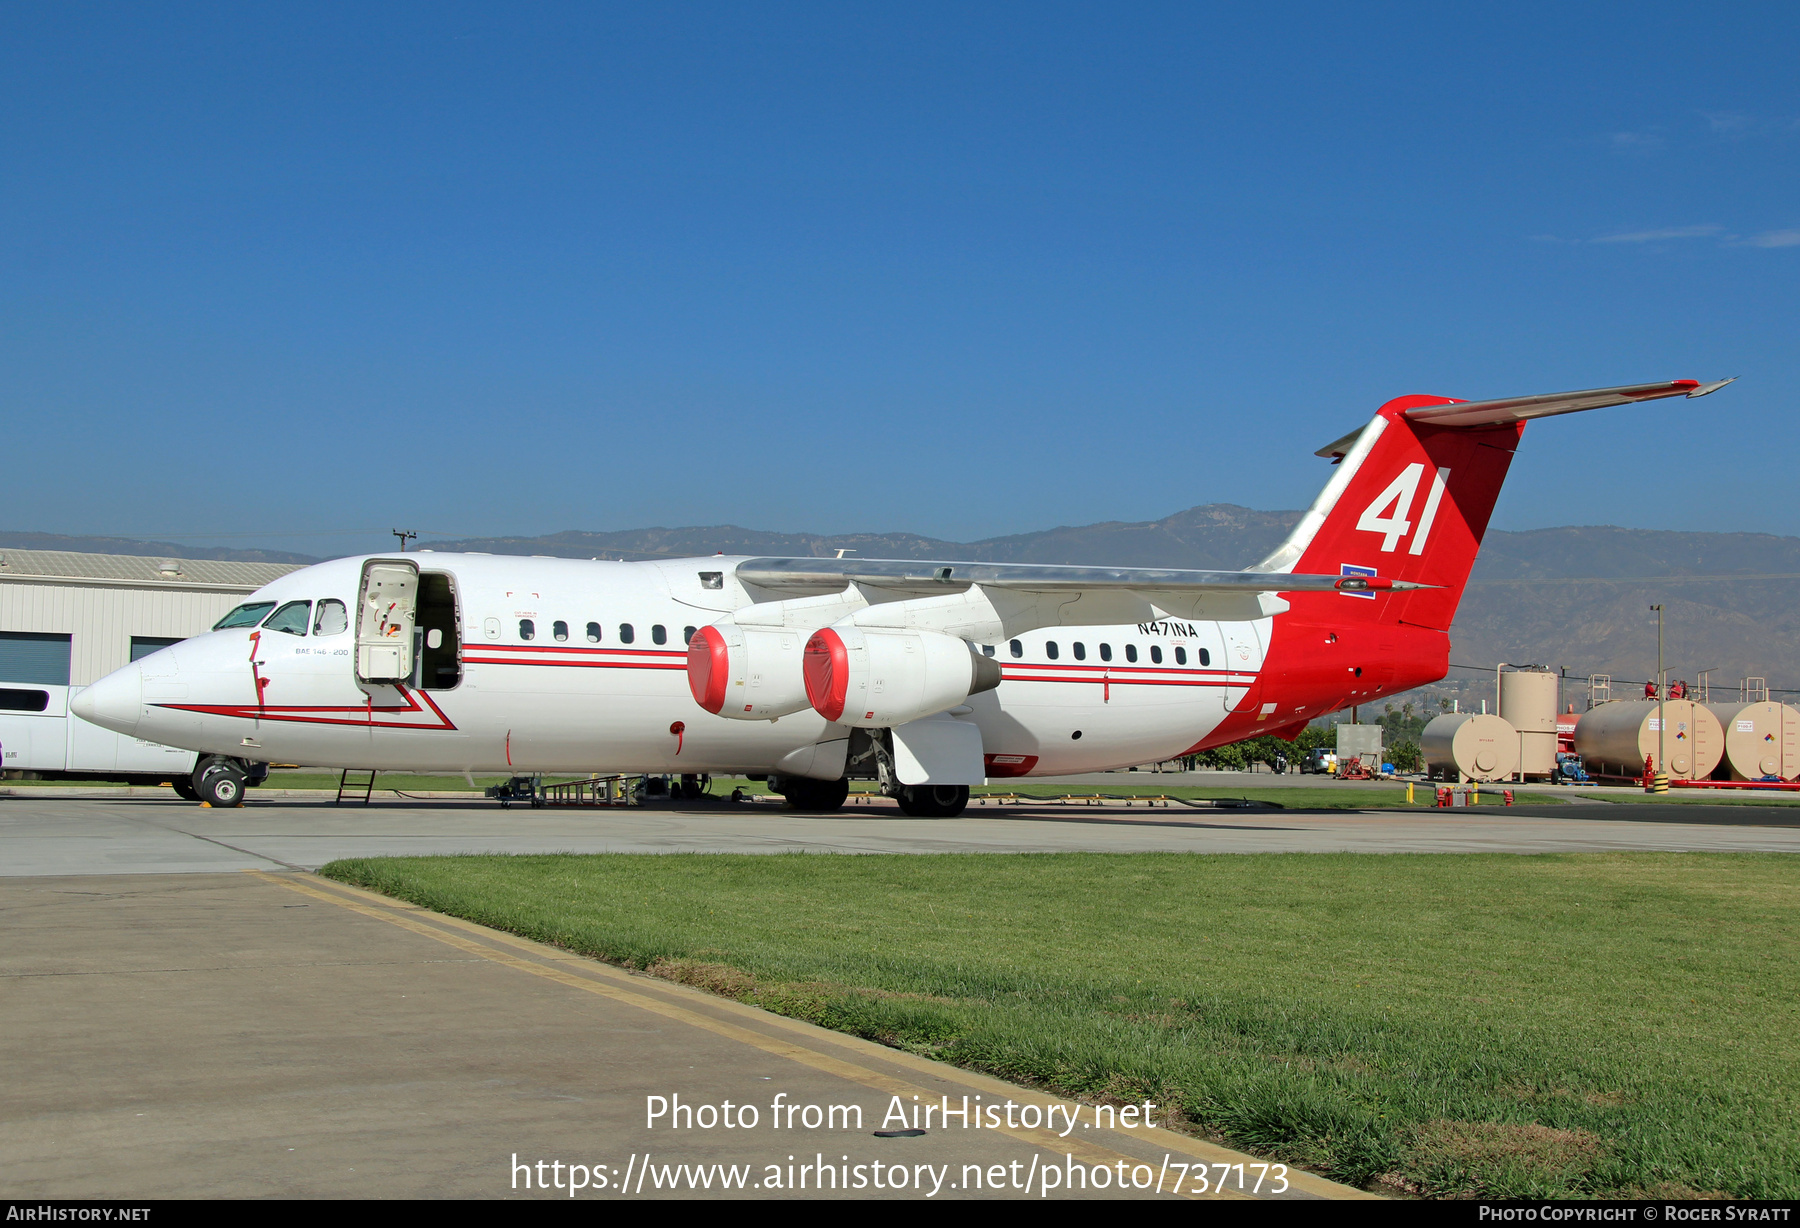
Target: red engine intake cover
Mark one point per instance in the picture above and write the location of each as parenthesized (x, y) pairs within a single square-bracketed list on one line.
[(708, 668), (827, 674)]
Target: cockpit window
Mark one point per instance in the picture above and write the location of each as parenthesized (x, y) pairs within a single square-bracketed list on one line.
[(332, 618), (246, 615), (291, 618)]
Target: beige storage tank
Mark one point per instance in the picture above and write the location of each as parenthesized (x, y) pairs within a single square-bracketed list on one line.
[(1528, 704), (1613, 739), (1465, 746), (1761, 739)]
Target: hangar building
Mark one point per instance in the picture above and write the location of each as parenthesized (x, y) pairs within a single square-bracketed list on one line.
[(67, 620)]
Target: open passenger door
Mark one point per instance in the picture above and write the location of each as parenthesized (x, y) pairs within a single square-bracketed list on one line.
[(384, 626)]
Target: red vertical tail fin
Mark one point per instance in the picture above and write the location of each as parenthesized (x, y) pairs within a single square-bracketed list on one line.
[(1411, 501)]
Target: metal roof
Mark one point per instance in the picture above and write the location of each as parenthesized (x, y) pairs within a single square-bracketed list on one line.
[(148, 571)]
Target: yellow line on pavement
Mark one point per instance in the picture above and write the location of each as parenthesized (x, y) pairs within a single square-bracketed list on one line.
[(619, 985)]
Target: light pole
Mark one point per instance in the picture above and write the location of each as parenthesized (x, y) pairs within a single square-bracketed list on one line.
[(1659, 780)]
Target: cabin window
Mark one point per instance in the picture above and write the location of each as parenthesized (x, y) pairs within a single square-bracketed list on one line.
[(1106, 652), (291, 618), (712, 579), (626, 634), (331, 618), (659, 634), (527, 629), (1018, 649), (1180, 655), (1131, 652), (987, 650), (1205, 657), (687, 634), (1080, 651), (559, 631), (593, 633), (246, 615), (1155, 654), (1051, 650)]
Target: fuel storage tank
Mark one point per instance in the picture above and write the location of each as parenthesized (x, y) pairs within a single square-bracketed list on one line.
[(1565, 730), (1464, 746), (1613, 739), (1761, 739), (1528, 704)]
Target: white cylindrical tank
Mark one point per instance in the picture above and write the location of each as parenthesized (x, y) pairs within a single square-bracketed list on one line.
[(1761, 739), (1614, 739), (1528, 704), (1465, 746)]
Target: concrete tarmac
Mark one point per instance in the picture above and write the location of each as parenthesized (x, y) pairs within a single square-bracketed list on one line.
[(170, 1028), (99, 834), (210, 1035)]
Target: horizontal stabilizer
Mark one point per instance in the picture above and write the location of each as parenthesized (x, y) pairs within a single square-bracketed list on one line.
[(1523, 409)]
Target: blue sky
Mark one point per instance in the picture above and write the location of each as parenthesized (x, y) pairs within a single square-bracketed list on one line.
[(961, 270)]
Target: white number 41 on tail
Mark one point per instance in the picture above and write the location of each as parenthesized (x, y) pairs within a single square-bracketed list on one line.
[(1387, 514)]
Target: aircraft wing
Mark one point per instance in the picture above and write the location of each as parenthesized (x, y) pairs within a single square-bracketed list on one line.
[(815, 576)]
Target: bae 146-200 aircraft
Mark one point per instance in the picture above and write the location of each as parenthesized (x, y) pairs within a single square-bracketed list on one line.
[(928, 677)]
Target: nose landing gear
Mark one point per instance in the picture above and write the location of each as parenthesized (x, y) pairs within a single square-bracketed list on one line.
[(220, 781)]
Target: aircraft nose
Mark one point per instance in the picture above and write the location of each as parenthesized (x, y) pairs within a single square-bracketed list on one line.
[(116, 702)]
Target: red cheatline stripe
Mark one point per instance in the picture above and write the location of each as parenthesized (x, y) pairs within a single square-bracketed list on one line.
[(575, 664), (363, 715), (1116, 669), (641, 652), (1126, 681)]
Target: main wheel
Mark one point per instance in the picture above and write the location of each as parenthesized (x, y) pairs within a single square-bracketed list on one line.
[(933, 801), (184, 787), (804, 793), (221, 784)]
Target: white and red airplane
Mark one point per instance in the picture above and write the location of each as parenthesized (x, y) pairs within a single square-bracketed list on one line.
[(926, 676)]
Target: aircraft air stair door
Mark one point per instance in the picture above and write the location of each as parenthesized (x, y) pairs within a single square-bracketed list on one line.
[(388, 612)]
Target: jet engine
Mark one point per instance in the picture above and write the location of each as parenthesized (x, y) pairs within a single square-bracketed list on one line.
[(876, 678), (746, 673)]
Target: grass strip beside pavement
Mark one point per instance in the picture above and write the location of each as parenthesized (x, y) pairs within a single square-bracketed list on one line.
[(1574, 1025)]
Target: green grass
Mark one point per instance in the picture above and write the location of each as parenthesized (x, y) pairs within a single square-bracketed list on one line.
[(1702, 797), (406, 781), (1575, 1025)]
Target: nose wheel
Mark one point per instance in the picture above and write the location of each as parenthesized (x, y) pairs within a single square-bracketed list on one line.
[(219, 783)]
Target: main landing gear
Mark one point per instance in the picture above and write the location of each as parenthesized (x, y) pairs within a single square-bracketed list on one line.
[(933, 801), (804, 793)]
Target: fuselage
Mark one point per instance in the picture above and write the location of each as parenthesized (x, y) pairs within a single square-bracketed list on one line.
[(563, 665)]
